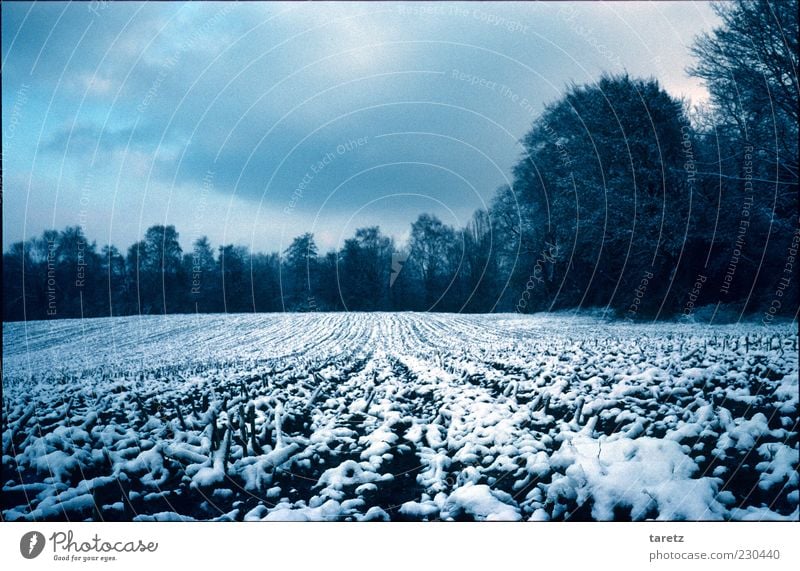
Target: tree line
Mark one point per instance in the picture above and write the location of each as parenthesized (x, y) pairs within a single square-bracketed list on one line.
[(624, 198), (63, 274)]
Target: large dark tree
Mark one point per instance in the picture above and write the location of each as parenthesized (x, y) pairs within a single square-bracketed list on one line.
[(750, 134), (234, 269), (602, 179), (299, 274), (116, 300), (479, 278), (16, 261), (364, 271), (749, 65), (203, 281), (434, 257), (156, 270), (264, 282)]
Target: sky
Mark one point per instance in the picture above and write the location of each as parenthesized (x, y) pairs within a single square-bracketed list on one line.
[(252, 123)]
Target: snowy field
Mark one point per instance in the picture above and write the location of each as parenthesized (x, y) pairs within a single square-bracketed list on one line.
[(397, 416)]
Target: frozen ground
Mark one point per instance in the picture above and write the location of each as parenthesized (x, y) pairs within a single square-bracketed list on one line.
[(397, 416)]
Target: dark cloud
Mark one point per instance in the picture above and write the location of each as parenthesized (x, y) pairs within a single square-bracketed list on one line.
[(155, 96)]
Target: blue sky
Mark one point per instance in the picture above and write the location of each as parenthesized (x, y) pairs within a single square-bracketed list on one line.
[(252, 123)]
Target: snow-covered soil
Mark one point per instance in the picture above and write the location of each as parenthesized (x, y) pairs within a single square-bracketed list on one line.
[(397, 416)]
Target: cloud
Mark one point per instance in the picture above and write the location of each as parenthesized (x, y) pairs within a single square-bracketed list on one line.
[(156, 95), (85, 137)]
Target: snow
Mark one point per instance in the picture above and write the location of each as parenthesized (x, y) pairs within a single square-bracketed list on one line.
[(373, 417), (743, 434), (779, 467), (481, 502), (419, 510), (643, 475), (348, 474)]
